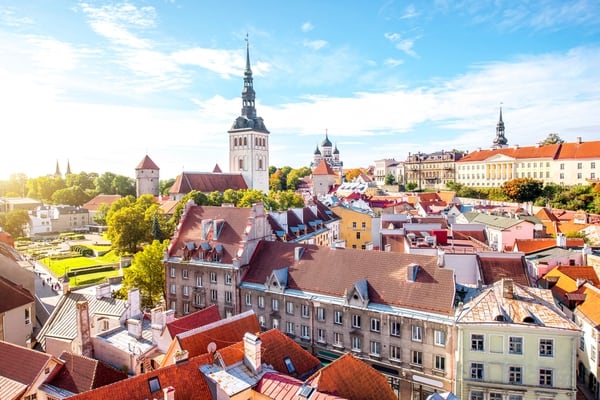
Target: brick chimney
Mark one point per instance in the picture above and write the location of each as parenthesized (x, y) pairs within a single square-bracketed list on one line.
[(507, 288), (83, 329), (252, 352)]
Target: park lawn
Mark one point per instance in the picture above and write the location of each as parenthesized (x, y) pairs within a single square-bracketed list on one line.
[(59, 267), (93, 278)]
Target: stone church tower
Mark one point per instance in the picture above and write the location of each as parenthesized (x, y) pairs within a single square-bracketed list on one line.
[(500, 140), (146, 177), (249, 139)]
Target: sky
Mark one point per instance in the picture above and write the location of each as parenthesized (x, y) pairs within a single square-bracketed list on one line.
[(101, 84)]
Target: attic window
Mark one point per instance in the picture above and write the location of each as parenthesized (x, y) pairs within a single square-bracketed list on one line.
[(305, 391), (154, 384), (355, 297), (500, 318), (529, 320), (289, 365)]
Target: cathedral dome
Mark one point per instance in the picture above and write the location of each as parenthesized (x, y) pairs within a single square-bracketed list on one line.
[(326, 142)]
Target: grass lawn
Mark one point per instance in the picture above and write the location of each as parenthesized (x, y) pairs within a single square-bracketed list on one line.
[(59, 267), (93, 278)]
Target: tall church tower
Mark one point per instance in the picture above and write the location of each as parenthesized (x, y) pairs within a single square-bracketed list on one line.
[(249, 138), (500, 140), (146, 177)]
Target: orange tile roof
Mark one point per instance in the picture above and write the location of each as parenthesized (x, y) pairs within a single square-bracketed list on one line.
[(194, 320), (30, 365), (528, 246), (579, 150), (207, 182), (351, 378), (277, 346), (323, 169), (147, 163), (97, 201), (591, 305), (333, 271), (185, 378), (549, 151), (495, 267), (567, 278), (80, 374), (283, 387)]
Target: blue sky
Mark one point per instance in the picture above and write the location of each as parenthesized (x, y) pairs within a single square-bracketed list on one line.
[(103, 83)]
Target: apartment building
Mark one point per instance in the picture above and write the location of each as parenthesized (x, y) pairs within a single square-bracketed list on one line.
[(357, 226), (394, 311), (433, 170), (514, 343)]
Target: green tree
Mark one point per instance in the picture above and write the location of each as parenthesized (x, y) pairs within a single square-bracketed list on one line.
[(14, 222), (43, 187), (83, 180), (249, 197), (275, 180), (123, 185), (165, 185), (157, 233), (16, 184), (522, 189), (73, 196), (130, 223), (411, 186), (389, 179), (147, 273), (284, 200), (291, 182), (232, 196), (103, 183), (101, 213), (552, 138)]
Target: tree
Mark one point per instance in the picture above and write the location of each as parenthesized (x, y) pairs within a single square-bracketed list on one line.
[(130, 222), (157, 232), (73, 196), (14, 222), (410, 186), (522, 189), (353, 174), (104, 182), (147, 273), (101, 213), (284, 200), (43, 188), (275, 180), (123, 185), (552, 138), (291, 182), (83, 180), (249, 197), (165, 185), (389, 179)]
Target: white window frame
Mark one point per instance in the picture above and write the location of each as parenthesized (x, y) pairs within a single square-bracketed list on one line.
[(338, 317), (416, 333), (248, 299), (395, 328), (228, 297), (305, 331), (439, 338), (375, 325), (186, 290), (172, 272), (275, 304), (395, 353), (375, 348), (356, 321), (228, 278), (439, 362), (356, 343), (213, 277), (289, 307), (320, 314), (173, 289), (261, 301), (321, 335), (305, 311)]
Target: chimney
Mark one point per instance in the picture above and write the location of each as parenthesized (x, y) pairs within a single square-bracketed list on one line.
[(561, 240), (411, 272), (83, 329), (507, 288), (134, 328), (181, 356), (65, 284), (103, 291), (169, 393), (133, 303), (578, 139), (252, 352), (158, 323), (440, 257)]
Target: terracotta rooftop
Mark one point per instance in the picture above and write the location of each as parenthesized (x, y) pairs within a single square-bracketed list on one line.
[(516, 304), (207, 182), (97, 201), (497, 266), (196, 319), (351, 378), (13, 295), (327, 271), (147, 163), (278, 386), (27, 366), (80, 374), (528, 152), (591, 305), (568, 279), (579, 150), (323, 169), (532, 245)]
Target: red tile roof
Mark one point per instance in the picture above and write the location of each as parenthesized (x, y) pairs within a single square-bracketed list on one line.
[(80, 374), (579, 150), (323, 169), (495, 267), (13, 295), (207, 182), (194, 320), (528, 246), (185, 378), (549, 151), (333, 271), (276, 346), (147, 163), (283, 387), (591, 305), (351, 378), (97, 201), (26, 366)]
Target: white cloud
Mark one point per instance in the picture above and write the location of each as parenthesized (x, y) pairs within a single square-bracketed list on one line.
[(315, 44), (8, 17), (403, 44), (393, 62), (307, 27), (410, 12)]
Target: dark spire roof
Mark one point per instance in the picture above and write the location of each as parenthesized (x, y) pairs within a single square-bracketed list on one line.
[(57, 173), (500, 140), (147, 163), (317, 151), (248, 119), (217, 169), (68, 168), (326, 142), (335, 150)]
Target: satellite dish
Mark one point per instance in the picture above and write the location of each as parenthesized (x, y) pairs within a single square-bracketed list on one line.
[(212, 347)]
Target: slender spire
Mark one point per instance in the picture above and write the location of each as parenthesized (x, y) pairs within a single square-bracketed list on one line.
[(68, 168), (248, 95), (57, 173), (500, 140)]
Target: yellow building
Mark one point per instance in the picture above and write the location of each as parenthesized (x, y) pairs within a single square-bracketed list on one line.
[(356, 226), (515, 344)]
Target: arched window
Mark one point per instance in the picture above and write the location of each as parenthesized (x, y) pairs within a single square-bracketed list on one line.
[(245, 141), (235, 142), (260, 163)]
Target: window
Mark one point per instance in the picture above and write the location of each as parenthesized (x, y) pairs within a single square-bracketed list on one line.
[(198, 280), (248, 299), (356, 343), (495, 396), (375, 348), (275, 323), (515, 345), (562, 166), (439, 338), (354, 225), (338, 317), (515, 397), (476, 395), (305, 311), (546, 347), (305, 331), (579, 165), (440, 363), (185, 273), (417, 357), (214, 295), (261, 301), (477, 371), (213, 277), (363, 224), (240, 164), (261, 321), (27, 316), (321, 336), (579, 175), (395, 353), (593, 165), (198, 299), (186, 307), (375, 325), (358, 235), (477, 342), (417, 333), (173, 289), (320, 314), (172, 305), (172, 272), (186, 290), (275, 304), (289, 328), (545, 377), (228, 278), (515, 374), (338, 339), (395, 328), (289, 307), (154, 384), (228, 297)]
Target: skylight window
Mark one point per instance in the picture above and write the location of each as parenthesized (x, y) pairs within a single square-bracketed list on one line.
[(154, 384), (289, 365)]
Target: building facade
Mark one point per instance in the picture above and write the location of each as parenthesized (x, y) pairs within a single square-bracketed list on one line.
[(356, 226), (249, 138), (433, 170)]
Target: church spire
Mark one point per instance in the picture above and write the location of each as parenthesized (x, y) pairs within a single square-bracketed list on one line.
[(248, 95), (68, 168), (57, 173), (500, 140)]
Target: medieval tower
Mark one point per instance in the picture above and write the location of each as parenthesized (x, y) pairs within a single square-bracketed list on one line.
[(249, 138), (146, 177)]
